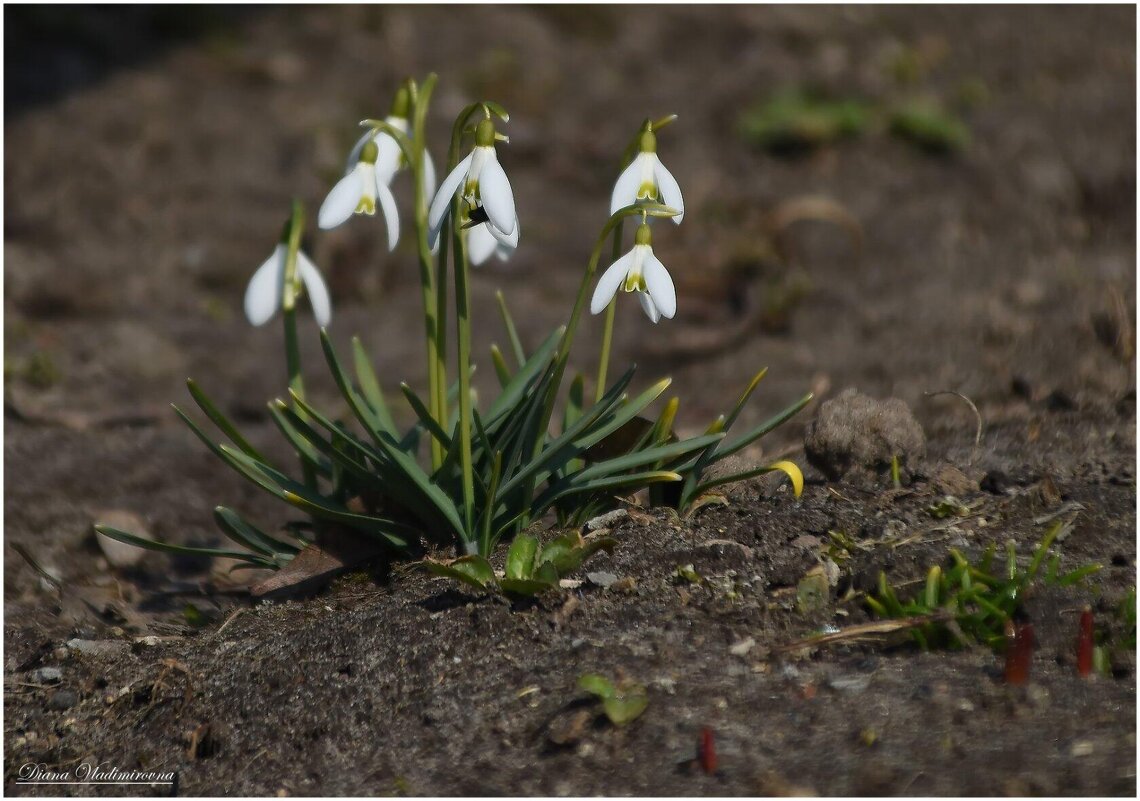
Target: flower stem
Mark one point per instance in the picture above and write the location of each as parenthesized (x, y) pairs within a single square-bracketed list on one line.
[(463, 343), (463, 332), (433, 311), (290, 291), (608, 330)]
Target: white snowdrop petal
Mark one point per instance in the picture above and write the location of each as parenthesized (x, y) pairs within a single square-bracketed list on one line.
[(315, 288), (341, 201), (388, 158), (354, 154), (648, 307), (496, 195), (391, 213), (510, 240), (480, 244), (443, 197), (670, 190), (660, 286), (609, 282), (263, 295), (625, 190)]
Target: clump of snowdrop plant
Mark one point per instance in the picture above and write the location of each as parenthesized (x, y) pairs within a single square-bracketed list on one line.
[(487, 472)]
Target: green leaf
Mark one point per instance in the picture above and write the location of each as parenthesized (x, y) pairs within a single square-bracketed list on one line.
[(405, 469), (1072, 577), (520, 557), (625, 705), (304, 449), (181, 550), (370, 386), (647, 456), (512, 332), (473, 570), (515, 390), (426, 420), (767, 426), (566, 489), (250, 535), (220, 420), (501, 370), (596, 684), (527, 587), (567, 552)]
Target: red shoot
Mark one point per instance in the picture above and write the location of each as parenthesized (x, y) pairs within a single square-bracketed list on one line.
[(1018, 652), (1085, 643), (706, 751)]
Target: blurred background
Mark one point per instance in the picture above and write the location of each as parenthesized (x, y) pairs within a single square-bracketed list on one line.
[(898, 199)]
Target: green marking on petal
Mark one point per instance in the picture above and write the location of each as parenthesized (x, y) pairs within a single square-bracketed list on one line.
[(366, 206)]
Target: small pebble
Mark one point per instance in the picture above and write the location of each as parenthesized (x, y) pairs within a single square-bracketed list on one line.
[(97, 647), (63, 699), (849, 684), (743, 647), (47, 675), (601, 578), (1081, 748), (607, 520)]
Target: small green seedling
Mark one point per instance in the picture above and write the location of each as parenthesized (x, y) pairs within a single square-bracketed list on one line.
[(531, 568), (930, 127), (622, 703), (796, 120), (981, 598)]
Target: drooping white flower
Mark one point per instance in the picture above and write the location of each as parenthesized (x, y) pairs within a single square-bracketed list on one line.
[(485, 239), (266, 288), (390, 158), (484, 188), (642, 272), (357, 192), (646, 178)]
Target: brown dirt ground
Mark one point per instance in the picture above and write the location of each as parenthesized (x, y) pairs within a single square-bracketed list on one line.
[(137, 206)]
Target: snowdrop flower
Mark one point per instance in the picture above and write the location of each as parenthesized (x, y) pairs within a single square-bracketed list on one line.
[(485, 189), (357, 192), (485, 240), (267, 287), (389, 158), (646, 178), (638, 270)]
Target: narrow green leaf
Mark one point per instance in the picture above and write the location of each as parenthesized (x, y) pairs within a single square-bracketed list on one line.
[(647, 456), (370, 386), (634, 480), (512, 332), (250, 535), (501, 370), (304, 449), (767, 426), (182, 550), (514, 391), (426, 420), (220, 420)]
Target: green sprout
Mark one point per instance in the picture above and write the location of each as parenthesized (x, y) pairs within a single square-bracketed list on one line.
[(970, 603), (930, 127), (797, 120), (622, 703), (531, 568), (464, 474)]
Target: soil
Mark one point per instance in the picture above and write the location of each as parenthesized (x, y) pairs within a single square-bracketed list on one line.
[(142, 192)]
